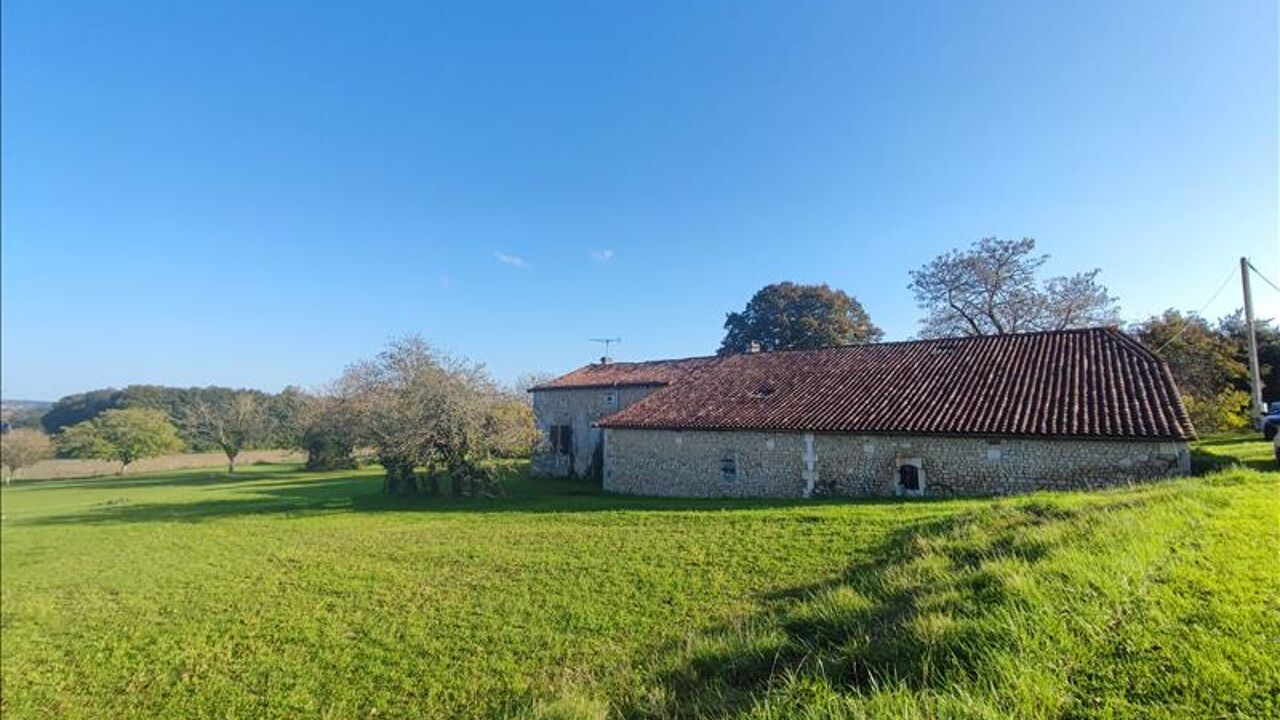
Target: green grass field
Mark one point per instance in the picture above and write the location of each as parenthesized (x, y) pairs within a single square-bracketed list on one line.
[(285, 594)]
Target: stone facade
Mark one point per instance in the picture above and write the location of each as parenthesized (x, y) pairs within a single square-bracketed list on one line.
[(759, 464), (578, 408)]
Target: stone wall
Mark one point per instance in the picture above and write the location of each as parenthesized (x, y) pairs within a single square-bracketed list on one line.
[(697, 463), (579, 408)]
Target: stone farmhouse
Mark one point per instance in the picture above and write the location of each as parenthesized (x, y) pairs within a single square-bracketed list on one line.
[(963, 416)]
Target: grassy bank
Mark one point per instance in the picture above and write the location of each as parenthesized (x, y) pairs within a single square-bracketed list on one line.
[(284, 594)]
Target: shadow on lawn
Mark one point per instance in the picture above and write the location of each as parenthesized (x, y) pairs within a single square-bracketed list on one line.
[(1206, 461), (297, 493), (923, 611)]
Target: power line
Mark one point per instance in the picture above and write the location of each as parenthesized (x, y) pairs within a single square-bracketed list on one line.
[(1258, 272), (1187, 323)]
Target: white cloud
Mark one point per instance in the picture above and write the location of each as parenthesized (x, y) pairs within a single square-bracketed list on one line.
[(602, 255), (512, 260)]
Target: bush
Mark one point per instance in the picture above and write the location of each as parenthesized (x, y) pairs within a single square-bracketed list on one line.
[(22, 448), (1226, 411)]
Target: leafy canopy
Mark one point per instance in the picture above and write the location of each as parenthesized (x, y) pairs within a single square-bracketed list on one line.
[(1208, 365), (789, 316), (124, 436)]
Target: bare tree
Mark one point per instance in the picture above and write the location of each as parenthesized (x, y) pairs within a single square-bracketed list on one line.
[(531, 380), (418, 407), (232, 423), (21, 448), (993, 289)]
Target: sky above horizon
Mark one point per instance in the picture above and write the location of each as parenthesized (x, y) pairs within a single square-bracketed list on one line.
[(257, 194)]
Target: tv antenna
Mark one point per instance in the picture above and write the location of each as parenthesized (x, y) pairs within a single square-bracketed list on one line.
[(607, 342)]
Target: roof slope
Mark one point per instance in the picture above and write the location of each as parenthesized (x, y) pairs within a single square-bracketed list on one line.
[(1071, 383), (616, 374)]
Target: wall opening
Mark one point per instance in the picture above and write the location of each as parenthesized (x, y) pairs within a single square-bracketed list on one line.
[(909, 478), (729, 468), (562, 439)]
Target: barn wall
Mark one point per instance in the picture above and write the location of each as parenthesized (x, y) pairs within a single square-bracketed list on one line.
[(693, 463), (578, 408)]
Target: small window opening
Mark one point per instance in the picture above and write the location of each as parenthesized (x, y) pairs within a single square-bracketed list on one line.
[(909, 478), (729, 468), (562, 439), (611, 399)]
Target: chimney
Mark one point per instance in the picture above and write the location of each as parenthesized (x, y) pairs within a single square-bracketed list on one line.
[(754, 347), (605, 360)]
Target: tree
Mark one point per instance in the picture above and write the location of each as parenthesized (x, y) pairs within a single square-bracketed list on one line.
[(327, 432), (992, 289), (284, 413), (1268, 336), (21, 448), (531, 380), (418, 407), (124, 436), (232, 424), (509, 427), (788, 316), (75, 409), (1206, 365)]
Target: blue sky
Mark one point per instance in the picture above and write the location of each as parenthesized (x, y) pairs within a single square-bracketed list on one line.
[(256, 194)]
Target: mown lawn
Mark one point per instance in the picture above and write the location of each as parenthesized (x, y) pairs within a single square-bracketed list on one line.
[(285, 594)]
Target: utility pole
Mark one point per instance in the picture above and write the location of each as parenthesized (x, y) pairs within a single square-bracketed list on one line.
[(1255, 375)]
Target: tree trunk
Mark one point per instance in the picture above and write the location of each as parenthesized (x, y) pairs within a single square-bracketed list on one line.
[(231, 463)]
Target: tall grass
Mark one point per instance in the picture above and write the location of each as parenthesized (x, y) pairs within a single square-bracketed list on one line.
[(288, 594)]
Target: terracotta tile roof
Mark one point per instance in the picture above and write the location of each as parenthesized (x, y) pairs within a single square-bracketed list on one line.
[(617, 374), (1072, 383)]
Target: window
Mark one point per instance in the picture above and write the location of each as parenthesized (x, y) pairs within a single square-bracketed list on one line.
[(729, 468), (562, 439), (994, 451), (909, 477), (611, 399)]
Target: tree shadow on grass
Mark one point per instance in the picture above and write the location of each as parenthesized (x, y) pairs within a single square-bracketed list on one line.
[(922, 612), (293, 493), (1205, 461)]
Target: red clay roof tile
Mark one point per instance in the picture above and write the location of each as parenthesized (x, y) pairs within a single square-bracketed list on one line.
[(617, 374), (1072, 383)]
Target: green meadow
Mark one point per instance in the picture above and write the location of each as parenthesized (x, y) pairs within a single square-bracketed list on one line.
[(282, 593)]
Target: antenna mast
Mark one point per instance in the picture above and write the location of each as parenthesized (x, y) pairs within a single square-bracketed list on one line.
[(607, 341)]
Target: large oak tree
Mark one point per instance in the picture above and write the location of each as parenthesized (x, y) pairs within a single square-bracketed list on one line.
[(789, 316)]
